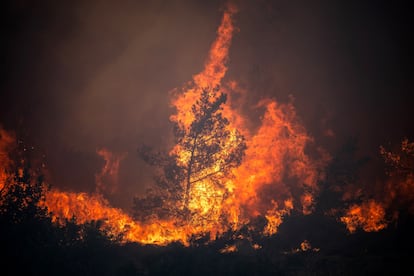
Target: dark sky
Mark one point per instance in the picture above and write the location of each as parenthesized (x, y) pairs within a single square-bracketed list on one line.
[(80, 75)]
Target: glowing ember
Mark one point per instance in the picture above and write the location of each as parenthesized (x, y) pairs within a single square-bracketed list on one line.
[(6, 142), (229, 249), (305, 245)]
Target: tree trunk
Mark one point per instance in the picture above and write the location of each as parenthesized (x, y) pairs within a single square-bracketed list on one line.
[(189, 171)]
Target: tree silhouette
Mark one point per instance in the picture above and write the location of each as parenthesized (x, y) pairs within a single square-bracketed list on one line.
[(206, 150), (399, 188), (161, 199), (24, 187), (209, 148)]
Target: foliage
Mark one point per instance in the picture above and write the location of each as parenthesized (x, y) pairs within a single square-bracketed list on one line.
[(32, 245), (209, 149), (23, 188), (30, 242)]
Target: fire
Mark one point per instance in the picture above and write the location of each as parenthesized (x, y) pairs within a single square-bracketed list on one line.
[(85, 208), (397, 193), (107, 178), (6, 142), (274, 176), (274, 217), (277, 150), (229, 249), (214, 71), (370, 216)]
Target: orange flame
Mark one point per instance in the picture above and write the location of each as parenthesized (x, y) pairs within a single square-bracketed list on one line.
[(370, 216), (277, 150), (6, 142), (214, 71), (84, 208), (107, 178), (397, 193)]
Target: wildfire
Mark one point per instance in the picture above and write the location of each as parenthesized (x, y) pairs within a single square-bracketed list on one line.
[(275, 215), (6, 142), (85, 208), (214, 71), (397, 193), (273, 169), (107, 178), (369, 216), (275, 159), (275, 176), (275, 155)]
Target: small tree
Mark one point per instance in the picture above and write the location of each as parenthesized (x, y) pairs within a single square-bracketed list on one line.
[(399, 187), (23, 189), (206, 150), (160, 200)]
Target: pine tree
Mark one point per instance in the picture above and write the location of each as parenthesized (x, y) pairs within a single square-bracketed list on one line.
[(206, 150)]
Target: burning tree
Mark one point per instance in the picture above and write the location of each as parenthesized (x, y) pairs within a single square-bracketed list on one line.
[(206, 150), (22, 187)]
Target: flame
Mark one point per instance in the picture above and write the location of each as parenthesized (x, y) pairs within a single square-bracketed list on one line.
[(85, 208), (6, 143), (107, 178), (214, 70), (370, 216), (277, 150), (229, 249), (305, 245), (275, 217), (397, 193)]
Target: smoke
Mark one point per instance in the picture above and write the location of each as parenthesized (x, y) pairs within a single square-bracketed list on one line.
[(97, 74)]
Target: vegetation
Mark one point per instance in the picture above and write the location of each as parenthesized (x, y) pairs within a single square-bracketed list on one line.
[(32, 245)]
